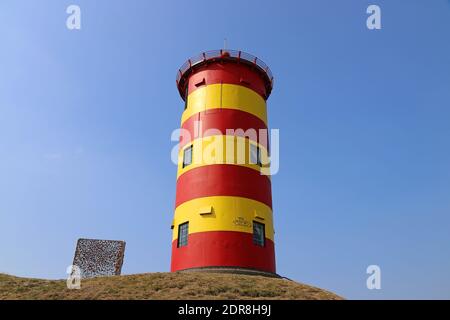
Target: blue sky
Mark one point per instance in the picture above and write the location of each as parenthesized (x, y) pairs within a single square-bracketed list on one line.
[(86, 118)]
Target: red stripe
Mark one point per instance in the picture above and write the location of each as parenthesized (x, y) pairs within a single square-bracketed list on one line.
[(223, 180), (225, 249), (220, 120), (228, 72)]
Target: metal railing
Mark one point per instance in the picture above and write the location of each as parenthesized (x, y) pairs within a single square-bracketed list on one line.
[(224, 54)]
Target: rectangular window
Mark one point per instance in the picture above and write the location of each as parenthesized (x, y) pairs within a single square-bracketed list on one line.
[(187, 156), (258, 234), (255, 154), (186, 96), (183, 231)]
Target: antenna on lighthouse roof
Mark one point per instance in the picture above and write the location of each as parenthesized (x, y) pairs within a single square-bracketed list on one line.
[(225, 44)]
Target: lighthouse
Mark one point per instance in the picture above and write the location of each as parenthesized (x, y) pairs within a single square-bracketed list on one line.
[(223, 216)]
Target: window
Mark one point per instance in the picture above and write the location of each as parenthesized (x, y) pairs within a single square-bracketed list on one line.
[(258, 234), (186, 96), (187, 156), (255, 154), (183, 231)]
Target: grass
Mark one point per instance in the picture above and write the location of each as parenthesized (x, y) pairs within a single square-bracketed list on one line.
[(187, 285)]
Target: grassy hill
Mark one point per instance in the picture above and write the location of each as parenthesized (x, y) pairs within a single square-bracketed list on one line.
[(188, 285)]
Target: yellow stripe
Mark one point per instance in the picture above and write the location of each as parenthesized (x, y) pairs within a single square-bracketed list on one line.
[(221, 149), (223, 213), (228, 96)]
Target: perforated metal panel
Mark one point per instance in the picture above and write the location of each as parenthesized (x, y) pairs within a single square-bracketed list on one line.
[(99, 257)]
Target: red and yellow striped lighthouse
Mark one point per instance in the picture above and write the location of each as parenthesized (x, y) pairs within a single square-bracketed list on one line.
[(223, 211)]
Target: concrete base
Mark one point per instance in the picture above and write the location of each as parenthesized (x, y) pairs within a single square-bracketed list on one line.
[(235, 270)]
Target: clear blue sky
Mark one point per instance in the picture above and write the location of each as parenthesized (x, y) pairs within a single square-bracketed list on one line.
[(364, 119)]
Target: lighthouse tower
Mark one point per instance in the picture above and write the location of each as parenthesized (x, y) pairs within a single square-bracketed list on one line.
[(223, 211)]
